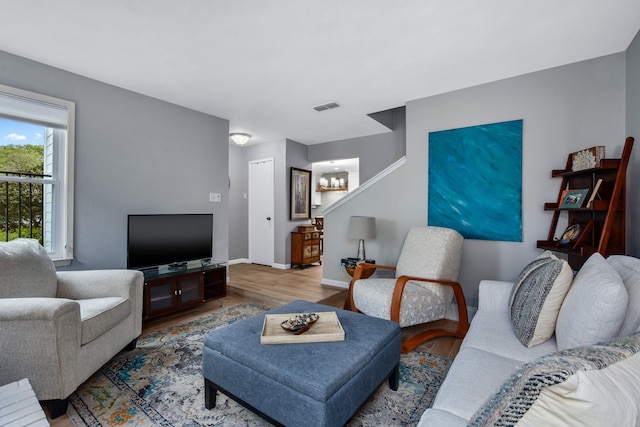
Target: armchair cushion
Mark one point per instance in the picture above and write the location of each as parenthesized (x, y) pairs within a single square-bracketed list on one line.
[(440, 261), (98, 315), (27, 270), (422, 302)]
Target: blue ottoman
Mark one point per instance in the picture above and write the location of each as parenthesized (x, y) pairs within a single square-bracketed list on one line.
[(310, 384)]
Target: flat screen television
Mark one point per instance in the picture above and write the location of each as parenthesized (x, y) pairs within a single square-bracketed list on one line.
[(173, 239)]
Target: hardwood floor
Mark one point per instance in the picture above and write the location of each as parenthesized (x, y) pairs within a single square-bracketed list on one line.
[(273, 287)]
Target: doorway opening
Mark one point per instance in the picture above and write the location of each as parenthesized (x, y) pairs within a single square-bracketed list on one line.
[(332, 180)]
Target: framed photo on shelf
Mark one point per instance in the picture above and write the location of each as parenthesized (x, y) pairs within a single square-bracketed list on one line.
[(300, 194), (573, 198)]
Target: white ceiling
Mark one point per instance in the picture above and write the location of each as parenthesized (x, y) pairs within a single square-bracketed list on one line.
[(263, 64)]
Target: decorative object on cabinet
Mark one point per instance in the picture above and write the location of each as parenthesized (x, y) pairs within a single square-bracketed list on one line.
[(170, 292), (305, 248), (362, 227), (300, 194), (602, 220), (587, 159)]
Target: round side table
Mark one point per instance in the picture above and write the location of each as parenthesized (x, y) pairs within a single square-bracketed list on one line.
[(366, 274)]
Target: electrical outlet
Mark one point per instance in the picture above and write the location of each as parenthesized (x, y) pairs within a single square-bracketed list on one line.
[(215, 197)]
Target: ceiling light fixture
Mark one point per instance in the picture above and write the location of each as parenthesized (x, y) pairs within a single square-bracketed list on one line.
[(240, 138)]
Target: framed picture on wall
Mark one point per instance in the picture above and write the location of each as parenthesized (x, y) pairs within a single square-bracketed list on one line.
[(300, 194)]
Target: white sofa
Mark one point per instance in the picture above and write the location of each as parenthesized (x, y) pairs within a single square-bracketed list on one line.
[(58, 328), (490, 362)]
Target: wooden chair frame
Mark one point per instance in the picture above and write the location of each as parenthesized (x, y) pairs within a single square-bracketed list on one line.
[(412, 342)]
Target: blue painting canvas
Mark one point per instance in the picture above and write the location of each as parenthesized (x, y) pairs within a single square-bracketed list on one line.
[(475, 181)]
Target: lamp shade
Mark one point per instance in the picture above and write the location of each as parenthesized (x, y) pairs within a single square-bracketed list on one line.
[(240, 138), (362, 227)]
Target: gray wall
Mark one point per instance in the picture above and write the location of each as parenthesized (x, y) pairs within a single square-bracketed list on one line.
[(133, 154), (564, 109), (238, 204), (240, 157), (376, 152), (633, 129), (296, 158)]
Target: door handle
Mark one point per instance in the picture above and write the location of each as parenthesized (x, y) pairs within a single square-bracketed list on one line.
[(268, 218)]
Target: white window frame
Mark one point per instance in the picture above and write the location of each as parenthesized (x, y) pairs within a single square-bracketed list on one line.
[(63, 172)]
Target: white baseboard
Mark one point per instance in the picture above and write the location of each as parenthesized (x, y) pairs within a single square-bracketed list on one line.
[(238, 261), (248, 261)]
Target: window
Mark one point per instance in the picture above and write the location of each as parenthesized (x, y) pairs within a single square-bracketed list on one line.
[(36, 170)]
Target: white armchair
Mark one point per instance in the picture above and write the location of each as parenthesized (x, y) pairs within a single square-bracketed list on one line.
[(423, 287), (58, 328)]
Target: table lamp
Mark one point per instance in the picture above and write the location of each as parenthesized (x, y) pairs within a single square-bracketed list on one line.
[(362, 227)]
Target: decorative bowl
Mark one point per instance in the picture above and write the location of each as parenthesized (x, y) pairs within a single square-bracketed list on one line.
[(299, 321)]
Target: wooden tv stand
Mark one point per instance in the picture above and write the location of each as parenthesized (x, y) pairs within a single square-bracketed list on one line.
[(172, 291)]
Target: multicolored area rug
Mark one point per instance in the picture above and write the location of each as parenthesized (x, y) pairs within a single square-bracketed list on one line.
[(160, 383)]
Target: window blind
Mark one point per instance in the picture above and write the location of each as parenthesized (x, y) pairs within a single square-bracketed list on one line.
[(36, 111)]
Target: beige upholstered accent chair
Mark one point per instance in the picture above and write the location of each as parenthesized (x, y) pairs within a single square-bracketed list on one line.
[(423, 287), (58, 328)]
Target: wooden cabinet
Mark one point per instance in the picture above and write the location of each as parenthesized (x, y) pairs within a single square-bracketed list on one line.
[(602, 224), (177, 290), (215, 283), (305, 248)]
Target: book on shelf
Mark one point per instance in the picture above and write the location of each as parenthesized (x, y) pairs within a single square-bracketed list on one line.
[(594, 193), (350, 262)]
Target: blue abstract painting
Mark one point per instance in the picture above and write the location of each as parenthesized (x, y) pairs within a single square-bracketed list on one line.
[(475, 181)]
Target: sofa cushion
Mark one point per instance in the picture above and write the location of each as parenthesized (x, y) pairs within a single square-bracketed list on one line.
[(473, 375), (536, 298), (99, 315), (26, 271), (437, 417), (491, 331), (629, 270), (584, 386), (422, 302), (594, 307)]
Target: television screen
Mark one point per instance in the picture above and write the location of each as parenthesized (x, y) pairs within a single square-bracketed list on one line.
[(154, 240)]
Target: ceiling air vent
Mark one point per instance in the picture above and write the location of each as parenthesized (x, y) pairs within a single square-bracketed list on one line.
[(327, 106)]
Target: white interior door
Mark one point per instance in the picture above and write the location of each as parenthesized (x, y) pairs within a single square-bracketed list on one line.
[(261, 207)]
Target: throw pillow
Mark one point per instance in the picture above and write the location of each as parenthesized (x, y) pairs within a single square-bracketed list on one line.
[(595, 306), (536, 298), (585, 386), (26, 270), (629, 270)]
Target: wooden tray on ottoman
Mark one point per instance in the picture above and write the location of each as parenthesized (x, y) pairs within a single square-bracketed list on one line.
[(326, 328)]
